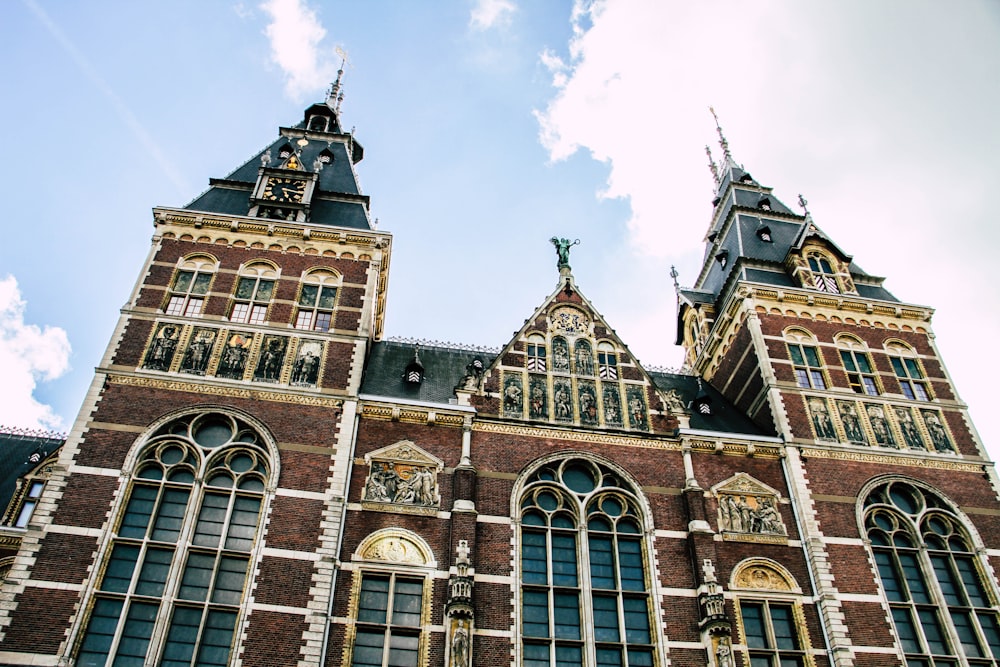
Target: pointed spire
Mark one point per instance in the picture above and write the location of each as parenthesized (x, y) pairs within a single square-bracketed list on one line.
[(674, 274), (712, 166), (722, 138), (804, 203)]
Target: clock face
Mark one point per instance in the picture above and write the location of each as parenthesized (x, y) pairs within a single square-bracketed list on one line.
[(285, 189)]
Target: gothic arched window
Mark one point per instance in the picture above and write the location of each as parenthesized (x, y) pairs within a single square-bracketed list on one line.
[(254, 289), (942, 605), (189, 288), (175, 571), (584, 569)]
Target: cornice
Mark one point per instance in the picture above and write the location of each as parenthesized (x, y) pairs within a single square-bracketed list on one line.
[(207, 389), (888, 458)]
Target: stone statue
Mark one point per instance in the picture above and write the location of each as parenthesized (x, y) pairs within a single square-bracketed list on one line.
[(724, 653), (562, 250), (460, 647)]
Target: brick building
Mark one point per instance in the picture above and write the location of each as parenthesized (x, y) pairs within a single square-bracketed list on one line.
[(257, 478)]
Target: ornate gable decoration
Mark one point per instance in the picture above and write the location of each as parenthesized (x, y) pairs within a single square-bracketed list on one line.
[(763, 574), (402, 478), (395, 546), (748, 510)]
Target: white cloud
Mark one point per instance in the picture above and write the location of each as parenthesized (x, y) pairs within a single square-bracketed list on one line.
[(295, 34), (27, 354), (876, 113), (488, 14)]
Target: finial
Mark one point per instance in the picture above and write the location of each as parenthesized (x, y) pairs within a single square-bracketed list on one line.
[(336, 97), (722, 138), (712, 166), (804, 203), (562, 250), (674, 275)]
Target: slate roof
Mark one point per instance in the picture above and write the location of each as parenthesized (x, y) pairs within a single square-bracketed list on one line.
[(16, 448), (725, 417)]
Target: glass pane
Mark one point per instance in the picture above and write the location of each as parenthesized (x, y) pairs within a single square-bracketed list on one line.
[(533, 555), (636, 621), (327, 296), (606, 619), (153, 576), (973, 584), (790, 661), (100, 632), (323, 321), (229, 580), (374, 600), (811, 357), (567, 615), (536, 655), (630, 565), (121, 565), (991, 631), (946, 578), (602, 564), (897, 365), (761, 661), (244, 288), (609, 657), (243, 524), (817, 379), (406, 602), (863, 363), (906, 630), (197, 577), (27, 509), (579, 478), (848, 360), (170, 515), (183, 281), (966, 633), (914, 579), (216, 639), (535, 614), (796, 353), (137, 512), (304, 320), (913, 368), (201, 282), (753, 625), (264, 290), (135, 635), (563, 560), (403, 650), (181, 637), (368, 649), (211, 520), (932, 631), (640, 658), (569, 656), (890, 579), (784, 627), (308, 296)]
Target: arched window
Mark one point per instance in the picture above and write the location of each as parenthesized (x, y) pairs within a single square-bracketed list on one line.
[(583, 568), (189, 287), (317, 300), (253, 294), (536, 353), (174, 574), (806, 361), (907, 368), (771, 621), (607, 361), (861, 374), (824, 277), (942, 605)]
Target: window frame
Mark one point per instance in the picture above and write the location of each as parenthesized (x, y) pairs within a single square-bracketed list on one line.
[(607, 361), (319, 316), (186, 301), (771, 650), (254, 308), (862, 375), (824, 275), (807, 374), (389, 629), (536, 354), (909, 372), (780, 590)]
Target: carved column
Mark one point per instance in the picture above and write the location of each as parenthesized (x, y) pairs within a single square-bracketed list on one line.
[(459, 614)]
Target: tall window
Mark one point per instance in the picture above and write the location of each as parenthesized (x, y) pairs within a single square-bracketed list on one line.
[(316, 301), (253, 294), (824, 278), (583, 566), (942, 605), (388, 621), (911, 378), (536, 353), (28, 504), (858, 367), (175, 571), (771, 634), (607, 362), (190, 287), (806, 363)]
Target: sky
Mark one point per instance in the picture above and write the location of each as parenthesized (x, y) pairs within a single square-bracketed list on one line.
[(490, 126)]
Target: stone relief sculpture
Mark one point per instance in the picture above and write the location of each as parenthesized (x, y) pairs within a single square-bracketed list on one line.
[(820, 415), (880, 425), (636, 397), (272, 357), (724, 653), (935, 428), (233, 363), (612, 406), (583, 357), (749, 507), (852, 422), (403, 474), (588, 402), (560, 354), (538, 404), (198, 352), (513, 396), (562, 400), (161, 351), (908, 427), (305, 368)]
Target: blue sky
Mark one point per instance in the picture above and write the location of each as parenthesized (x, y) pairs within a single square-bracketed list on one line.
[(489, 127)]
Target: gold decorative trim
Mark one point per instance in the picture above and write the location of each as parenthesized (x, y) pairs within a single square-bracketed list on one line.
[(763, 574), (887, 458), (644, 441), (400, 508), (411, 415), (10, 541), (754, 537), (232, 392)]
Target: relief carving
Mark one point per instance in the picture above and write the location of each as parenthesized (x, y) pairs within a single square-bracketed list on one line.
[(403, 474), (747, 506)]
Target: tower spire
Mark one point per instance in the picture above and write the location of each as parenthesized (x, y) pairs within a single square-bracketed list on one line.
[(712, 166), (722, 138)]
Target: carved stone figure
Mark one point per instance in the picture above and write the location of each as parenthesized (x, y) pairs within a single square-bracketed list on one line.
[(161, 352), (588, 402), (939, 437), (199, 350), (852, 423), (305, 370), (562, 250), (512, 396), (911, 436), (271, 357), (636, 407), (612, 406), (561, 398), (583, 358), (880, 426), (234, 356), (724, 653), (460, 647), (538, 407), (560, 355), (821, 419)]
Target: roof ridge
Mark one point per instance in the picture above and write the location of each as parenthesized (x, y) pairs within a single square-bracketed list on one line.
[(426, 342), (24, 432)]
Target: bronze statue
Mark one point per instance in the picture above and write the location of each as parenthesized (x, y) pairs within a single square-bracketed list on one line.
[(562, 250)]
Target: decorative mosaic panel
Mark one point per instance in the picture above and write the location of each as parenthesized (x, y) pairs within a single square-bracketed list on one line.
[(570, 320), (235, 354), (199, 351), (513, 395), (271, 359), (636, 397), (936, 430), (562, 399), (163, 346), (612, 405), (819, 415), (853, 427), (587, 397), (305, 368), (560, 355), (583, 358), (538, 399), (880, 425), (908, 428)]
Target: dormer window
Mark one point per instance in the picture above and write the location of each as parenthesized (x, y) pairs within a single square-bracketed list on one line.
[(746, 178), (722, 257), (824, 278), (285, 152), (318, 123), (764, 234), (607, 362), (536, 353), (764, 204), (325, 156), (414, 373), (702, 403)]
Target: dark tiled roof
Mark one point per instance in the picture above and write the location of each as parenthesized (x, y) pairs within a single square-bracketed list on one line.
[(776, 278), (725, 417), (444, 368), (875, 292), (15, 451), (223, 200)]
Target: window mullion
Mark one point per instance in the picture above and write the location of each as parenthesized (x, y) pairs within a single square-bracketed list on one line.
[(940, 602), (586, 584)]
